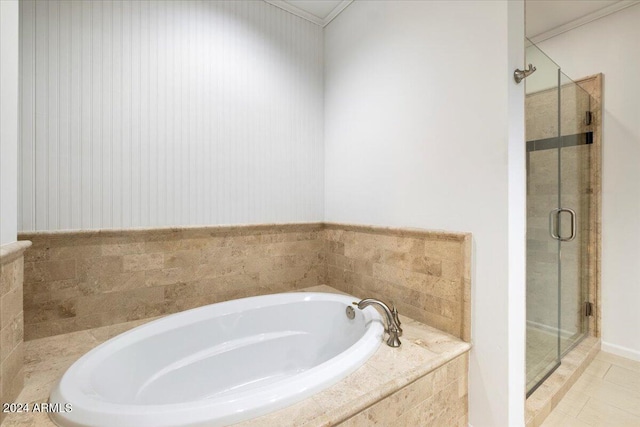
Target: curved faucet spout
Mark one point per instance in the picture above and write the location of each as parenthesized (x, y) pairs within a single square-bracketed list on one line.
[(393, 321)]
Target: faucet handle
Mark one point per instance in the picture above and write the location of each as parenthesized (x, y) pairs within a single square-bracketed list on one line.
[(396, 318), (391, 315)]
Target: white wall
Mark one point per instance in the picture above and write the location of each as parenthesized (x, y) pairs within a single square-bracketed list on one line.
[(8, 120), (155, 113), (420, 104), (611, 45)]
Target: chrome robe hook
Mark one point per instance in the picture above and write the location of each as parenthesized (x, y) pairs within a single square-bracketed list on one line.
[(519, 75)]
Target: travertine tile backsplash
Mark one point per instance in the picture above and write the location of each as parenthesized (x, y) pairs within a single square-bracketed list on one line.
[(81, 280), (426, 274)]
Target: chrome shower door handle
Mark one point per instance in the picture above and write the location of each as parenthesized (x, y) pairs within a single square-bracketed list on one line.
[(554, 221), (572, 215)]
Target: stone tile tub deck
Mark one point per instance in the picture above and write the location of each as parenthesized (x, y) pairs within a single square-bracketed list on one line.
[(424, 382)]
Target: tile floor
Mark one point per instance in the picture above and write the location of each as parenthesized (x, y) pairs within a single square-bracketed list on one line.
[(606, 395)]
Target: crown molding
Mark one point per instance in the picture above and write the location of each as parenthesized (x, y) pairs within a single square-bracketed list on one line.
[(616, 7), (309, 16), (336, 11)]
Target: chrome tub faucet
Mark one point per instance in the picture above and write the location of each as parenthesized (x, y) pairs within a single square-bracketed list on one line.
[(393, 321)]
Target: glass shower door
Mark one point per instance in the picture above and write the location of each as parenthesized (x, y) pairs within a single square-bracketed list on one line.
[(559, 150), (542, 107)]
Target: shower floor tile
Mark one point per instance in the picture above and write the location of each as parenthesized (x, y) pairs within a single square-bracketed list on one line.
[(542, 353)]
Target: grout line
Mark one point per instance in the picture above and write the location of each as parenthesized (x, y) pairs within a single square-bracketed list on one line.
[(608, 369), (584, 405)]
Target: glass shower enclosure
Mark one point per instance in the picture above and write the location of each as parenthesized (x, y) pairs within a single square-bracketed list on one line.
[(559, 141)]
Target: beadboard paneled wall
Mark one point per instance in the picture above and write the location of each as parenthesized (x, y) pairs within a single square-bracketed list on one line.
[(152, 113)]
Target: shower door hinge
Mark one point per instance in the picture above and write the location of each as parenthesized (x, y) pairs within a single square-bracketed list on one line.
[(588, 309), (588, 118)]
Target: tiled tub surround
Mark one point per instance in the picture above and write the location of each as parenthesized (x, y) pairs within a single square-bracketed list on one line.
[(424, 382), (426, 274), (11, 321), (82, 280)]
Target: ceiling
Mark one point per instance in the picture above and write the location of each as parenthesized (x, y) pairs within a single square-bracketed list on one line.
[(549, 16)]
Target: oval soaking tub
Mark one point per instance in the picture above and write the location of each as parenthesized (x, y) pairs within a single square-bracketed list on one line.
[(219, 364)]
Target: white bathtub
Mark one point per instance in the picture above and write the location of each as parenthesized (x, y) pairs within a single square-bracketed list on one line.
[(219, 364)]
